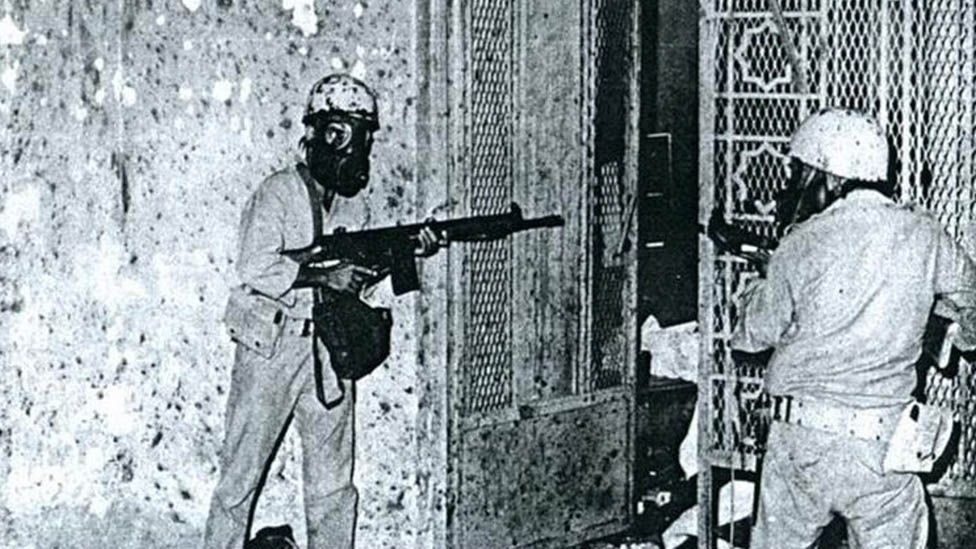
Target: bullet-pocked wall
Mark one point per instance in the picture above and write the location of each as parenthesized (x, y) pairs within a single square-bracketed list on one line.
[(133, 132)]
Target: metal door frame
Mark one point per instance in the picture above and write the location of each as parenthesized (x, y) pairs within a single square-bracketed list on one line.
[(583, 396)]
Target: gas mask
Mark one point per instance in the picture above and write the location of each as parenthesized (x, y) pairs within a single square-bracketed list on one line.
[(337, 149), (806, 193)]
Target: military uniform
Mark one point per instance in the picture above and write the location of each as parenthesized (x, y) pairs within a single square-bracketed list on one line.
[(272, 380), (845, 304)]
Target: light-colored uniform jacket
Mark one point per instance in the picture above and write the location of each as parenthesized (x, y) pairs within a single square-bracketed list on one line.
[(846, 300), (277, 217)]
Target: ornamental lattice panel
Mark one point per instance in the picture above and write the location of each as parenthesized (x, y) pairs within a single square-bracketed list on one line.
[(766, 65), (488, 342), (611, 81)]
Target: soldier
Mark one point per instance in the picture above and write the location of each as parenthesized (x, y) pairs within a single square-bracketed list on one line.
[(270, 318), (844, 304)]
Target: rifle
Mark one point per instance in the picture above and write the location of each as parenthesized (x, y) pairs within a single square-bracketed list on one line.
[(390, 250), (737, 241)]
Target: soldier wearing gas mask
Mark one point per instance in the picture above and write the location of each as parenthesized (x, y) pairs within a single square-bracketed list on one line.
[(281, 375), (844, 305)]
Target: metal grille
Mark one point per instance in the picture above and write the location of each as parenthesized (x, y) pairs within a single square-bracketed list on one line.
[(909, 63), (487, 341), (939, 139), (760, 94), (612, 46)]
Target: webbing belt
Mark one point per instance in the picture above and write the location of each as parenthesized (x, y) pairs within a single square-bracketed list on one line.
[(864, 423)]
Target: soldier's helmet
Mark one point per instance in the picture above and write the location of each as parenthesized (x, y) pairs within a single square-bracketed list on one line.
[(843, 142), (341, 94)]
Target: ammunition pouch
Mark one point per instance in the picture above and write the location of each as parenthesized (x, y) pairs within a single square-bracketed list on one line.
[(920, 438), (356, 335), (254, 321)]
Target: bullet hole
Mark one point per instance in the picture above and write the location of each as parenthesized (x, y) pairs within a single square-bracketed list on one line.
[(185, 494), (285, 123), (396, 505), (385, 407), (14, 307), (269, 133), (156, 439), (119, 161), (128, 472)]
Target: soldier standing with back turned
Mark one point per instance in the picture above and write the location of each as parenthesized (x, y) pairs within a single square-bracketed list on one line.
[(844, 305)]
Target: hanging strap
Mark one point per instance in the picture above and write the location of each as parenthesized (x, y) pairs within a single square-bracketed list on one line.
[(315, 202)]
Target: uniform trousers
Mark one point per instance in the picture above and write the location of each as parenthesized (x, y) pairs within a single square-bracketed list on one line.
[(266, 396), (810, 475)]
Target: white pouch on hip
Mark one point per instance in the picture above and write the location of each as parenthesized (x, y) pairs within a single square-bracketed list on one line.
[(254, 321), (919, 439)]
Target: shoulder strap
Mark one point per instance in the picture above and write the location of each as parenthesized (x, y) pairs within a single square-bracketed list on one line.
[(314, 201)]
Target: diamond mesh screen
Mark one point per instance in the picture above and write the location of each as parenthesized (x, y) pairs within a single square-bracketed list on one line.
[(912, 65), (612, 43), (487, 343)]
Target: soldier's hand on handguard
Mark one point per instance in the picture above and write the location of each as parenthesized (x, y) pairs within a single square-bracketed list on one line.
[(428, 241), (346, 277)]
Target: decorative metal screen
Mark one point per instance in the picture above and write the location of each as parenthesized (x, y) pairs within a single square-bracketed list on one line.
[(612, 45), (488, 265), (766, 65), (542, 396)]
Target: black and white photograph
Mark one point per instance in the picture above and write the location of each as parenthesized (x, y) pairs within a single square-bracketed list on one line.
[(478, 274)]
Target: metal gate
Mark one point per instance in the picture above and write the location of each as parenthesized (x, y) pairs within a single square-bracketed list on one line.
[(766, 65), (543, 345)]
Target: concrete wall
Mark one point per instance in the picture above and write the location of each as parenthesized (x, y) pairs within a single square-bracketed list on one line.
[(133, 131)]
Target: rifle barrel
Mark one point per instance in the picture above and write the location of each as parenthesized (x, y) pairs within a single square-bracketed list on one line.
[(547, 221)]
